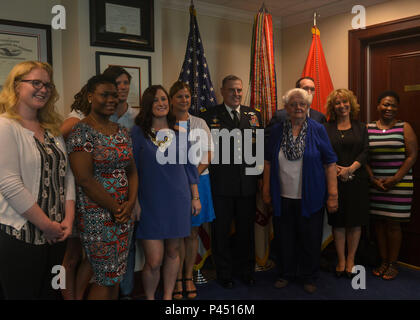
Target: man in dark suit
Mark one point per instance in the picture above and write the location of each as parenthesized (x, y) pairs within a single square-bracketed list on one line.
[(233, 189), (307, 84)]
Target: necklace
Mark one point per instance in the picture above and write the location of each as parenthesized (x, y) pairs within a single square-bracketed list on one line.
[(341, 132), (165, 142), (107, 129), (381, 127)]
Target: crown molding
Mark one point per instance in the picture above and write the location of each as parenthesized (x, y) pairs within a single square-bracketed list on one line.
[(216, 11), (331, 9)]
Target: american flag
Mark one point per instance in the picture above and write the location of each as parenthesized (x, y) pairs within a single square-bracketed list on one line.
[(195, 71)]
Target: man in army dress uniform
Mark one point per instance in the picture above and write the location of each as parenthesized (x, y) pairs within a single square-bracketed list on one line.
[(233, 186)]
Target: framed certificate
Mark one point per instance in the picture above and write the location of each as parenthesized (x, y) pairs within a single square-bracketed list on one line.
[(22, 41), (124, 24), (139, 67)]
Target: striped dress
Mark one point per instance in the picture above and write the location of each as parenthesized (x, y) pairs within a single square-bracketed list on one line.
[(387, 154)]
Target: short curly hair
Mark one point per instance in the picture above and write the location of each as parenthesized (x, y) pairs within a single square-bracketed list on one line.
[(346, 94), (389, 93)]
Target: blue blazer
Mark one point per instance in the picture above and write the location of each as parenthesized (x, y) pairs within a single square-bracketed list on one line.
[(318, 152)]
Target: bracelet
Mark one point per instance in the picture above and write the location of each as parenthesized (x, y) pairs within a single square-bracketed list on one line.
[(196, 198)]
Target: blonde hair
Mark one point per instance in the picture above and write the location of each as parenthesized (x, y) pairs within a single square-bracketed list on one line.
[(48, 117), (346, 94)]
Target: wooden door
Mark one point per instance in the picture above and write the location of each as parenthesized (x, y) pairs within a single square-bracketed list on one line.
[(387, 57), (395, 65)]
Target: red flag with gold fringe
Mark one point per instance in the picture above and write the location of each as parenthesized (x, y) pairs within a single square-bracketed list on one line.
[(316, 68)]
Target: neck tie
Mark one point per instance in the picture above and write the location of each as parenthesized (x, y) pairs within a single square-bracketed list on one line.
[(235, 118)]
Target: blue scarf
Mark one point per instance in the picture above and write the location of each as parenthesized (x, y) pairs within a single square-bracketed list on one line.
[(293, 149)]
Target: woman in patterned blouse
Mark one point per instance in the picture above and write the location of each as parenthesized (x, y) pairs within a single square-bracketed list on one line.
[(106, 177), (36, 184)]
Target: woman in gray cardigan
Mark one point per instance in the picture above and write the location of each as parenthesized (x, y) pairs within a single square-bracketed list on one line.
[(36, 185)]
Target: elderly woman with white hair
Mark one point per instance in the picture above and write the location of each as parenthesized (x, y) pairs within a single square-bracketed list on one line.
[(299, 180)]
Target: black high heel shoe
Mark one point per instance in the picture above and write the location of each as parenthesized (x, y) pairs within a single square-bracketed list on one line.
[(350, 274), (339, 274)]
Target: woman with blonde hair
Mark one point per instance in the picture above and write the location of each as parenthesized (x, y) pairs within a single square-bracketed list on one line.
[(36, 187), (349, 140)]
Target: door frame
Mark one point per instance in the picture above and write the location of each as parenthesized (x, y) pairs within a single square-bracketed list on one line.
[(359, 42)]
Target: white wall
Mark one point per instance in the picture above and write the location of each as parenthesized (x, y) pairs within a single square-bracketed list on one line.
[(227, 43), (73, 57), (227, 46), (80, 62)]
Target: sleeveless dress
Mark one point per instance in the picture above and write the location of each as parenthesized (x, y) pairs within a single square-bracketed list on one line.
[(351, 145), (105, 242), (387, 154)]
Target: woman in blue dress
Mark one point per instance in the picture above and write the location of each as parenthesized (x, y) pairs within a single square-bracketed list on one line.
[(168, 192), (198, 130)]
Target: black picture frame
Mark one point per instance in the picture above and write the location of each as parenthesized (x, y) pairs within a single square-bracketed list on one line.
[(139, 67), (134, 17), (22, 41)]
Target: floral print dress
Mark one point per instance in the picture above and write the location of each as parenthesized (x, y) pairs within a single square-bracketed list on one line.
[(106, 243)]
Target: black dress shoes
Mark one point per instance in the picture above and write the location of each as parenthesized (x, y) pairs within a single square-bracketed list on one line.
[(248, 280), (226, 283), (339, 273)]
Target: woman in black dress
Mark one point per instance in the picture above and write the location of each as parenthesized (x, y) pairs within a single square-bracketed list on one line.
[(350, 142)]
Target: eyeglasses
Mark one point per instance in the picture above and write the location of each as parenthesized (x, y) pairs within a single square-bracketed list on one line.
[(297, 104), (38, 84), (309, 89)]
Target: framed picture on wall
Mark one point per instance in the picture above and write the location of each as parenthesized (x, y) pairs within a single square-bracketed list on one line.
[(139, 67), (126, 24), (22, 41)]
